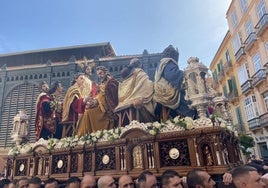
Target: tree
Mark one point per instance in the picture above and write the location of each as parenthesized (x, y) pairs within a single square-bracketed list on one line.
[(246, 142)]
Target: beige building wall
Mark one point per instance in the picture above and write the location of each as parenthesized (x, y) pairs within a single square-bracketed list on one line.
[(247, 40), (229, 72)]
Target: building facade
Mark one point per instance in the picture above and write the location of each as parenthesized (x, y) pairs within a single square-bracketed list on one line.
[(21, 74), (248, 47)]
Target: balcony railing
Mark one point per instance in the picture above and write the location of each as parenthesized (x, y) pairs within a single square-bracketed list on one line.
[(264, 120), (262, 24), (254, 123), (246, 86), (250, 41), (215, 84), (258, 122), (220, 75), (240, 127), (258, 77), (240, 53), (233, 95), (227, 66)]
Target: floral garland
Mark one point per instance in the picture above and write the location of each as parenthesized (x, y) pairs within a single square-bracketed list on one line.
[(153, 128)]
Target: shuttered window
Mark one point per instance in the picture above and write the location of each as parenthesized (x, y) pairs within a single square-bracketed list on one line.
[(22, 97)]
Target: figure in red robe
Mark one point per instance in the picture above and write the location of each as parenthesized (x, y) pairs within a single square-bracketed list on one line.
[(48, 114)]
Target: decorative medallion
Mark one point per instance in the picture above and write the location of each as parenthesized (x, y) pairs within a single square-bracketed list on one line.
[(60, 163), (105, 159), (21, 167), (174, 153)]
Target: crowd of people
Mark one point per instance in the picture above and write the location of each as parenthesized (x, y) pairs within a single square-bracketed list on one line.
[(92, 106), (240, 177)]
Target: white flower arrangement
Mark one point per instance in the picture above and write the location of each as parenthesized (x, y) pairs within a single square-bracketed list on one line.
[(26, 148), (153, 128), (51, 143), (14, 151)]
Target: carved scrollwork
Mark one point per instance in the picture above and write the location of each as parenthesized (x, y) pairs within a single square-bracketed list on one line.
[(100, 155), (87, 161), (74, 162), (21, 167), (55, 161), (182, 158)]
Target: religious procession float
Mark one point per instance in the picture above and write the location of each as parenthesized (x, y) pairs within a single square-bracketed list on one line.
[(179, 143)]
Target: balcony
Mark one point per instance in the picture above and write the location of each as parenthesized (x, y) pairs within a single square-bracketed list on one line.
[(215, 84), (227, 66), (258, 77), (220, 75), (240, 53), (262, 25), (264, 120), (258, 122), (254, 123), (247, 86), (240, 127), (250, 41), (233, 95)]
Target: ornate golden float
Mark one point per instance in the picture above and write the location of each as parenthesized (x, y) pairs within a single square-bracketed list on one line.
[(138, 147)]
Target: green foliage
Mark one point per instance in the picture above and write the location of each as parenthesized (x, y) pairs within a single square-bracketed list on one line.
[(246, 142), (182, 124)]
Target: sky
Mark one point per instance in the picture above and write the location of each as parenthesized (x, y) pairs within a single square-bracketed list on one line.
[(195, 27)]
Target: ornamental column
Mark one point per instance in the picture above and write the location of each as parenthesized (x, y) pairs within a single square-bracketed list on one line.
[(20, 129)]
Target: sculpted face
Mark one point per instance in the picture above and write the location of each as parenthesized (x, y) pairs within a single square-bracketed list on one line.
[(101, 74), (88, 70), (60, 88), (80, 80), (44, 87)]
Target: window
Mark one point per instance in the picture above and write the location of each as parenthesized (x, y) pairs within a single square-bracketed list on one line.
[(239, 119), (236, 43), (265, 98), (250, 107), (248, 27), (257, 62), (242, 74), (220, 66), (227, 55), (224, 91), (21, 97), (234, 20), (261, 10), (243, 4), (215, 76), (232, 84)]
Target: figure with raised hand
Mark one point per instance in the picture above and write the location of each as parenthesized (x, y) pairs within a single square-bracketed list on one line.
[(99, 112)]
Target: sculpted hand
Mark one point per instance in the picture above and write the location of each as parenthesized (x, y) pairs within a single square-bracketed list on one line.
[(93, 103), (85, 100)]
